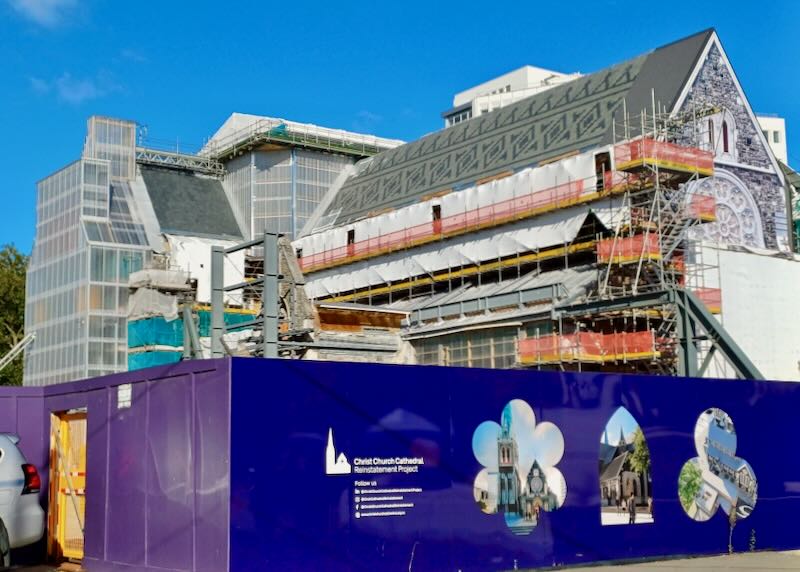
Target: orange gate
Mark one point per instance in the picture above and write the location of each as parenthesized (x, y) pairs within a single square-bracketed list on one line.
[(67, 485)]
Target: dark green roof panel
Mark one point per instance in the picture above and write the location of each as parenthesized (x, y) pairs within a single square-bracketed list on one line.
[(574, 116), (664, 75), (186, 203)]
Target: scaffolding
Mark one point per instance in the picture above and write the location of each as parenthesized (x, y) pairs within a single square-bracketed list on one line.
[(287, 324), (589, 347), (270, 131), (651, 306), (653, 282), (534, 203), (177, 160)]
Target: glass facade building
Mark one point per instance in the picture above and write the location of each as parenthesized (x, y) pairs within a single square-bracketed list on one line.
[(88, 240), (104, 217), (277, 191)]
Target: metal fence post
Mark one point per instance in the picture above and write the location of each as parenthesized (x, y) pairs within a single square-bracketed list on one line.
[(217, 301), (187, 340), (270, 295)]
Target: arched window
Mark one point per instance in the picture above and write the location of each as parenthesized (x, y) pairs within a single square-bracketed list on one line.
[(711, 135), (721, 135), (725, 148)]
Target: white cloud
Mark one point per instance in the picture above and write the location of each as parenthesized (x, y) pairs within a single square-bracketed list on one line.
[(75, 90), (46, 13)]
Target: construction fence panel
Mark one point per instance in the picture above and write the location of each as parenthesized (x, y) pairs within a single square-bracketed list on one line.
[(434, 469)]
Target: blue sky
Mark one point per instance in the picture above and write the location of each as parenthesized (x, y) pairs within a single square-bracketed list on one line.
[(621, 419), (387, 68)]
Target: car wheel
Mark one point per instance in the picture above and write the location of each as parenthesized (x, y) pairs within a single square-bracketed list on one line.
[(5, 548)]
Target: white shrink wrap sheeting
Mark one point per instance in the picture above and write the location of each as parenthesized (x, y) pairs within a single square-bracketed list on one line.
[(193, 254), (552, 229), (577, 169)]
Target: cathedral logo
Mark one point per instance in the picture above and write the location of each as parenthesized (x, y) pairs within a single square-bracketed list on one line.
[(335, 465), (519, 478)]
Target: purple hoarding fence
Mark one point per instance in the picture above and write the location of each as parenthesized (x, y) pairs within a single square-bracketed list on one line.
[(157, 482), (252, 464), (363, 467)]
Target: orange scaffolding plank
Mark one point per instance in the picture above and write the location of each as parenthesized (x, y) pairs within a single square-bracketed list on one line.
[(645, 151), (628, 249), (588, 347)]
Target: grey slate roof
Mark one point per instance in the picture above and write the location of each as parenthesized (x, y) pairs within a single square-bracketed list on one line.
[(569, 280), (607, 453), (791, 175), (614, 468), (186, 203), (574, 116)]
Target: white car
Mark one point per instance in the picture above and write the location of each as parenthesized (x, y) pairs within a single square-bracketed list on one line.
[(21, 516)]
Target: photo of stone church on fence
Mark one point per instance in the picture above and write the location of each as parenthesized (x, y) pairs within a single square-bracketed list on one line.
[(625, 480)]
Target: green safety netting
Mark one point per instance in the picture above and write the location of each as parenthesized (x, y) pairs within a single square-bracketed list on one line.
[(231, 320), (149, 359), (157, 331)]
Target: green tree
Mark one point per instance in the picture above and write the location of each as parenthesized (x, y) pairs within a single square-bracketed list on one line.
[(12, 309), (689, 482), (640, 456)]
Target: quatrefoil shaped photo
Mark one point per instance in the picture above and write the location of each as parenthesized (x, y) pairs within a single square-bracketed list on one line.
[(519, 478), (716, 478)]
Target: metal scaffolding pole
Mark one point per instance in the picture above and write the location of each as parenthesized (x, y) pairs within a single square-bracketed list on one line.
[(217, 301), (270, 296), (268, 320)]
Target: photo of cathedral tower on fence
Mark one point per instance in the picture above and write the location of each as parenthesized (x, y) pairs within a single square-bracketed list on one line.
[(625, 479), (519, 480)]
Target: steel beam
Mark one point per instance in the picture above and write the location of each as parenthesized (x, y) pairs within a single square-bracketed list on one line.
[(217, 301), (687, 334), (693, 318), (191, 338), (707, 361), (646, 300), (338, 346), (245, 284), (719, 336), (245, 245), (269, 298)]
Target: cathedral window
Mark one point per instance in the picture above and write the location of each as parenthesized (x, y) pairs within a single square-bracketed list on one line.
[(725, 148), (719, 136), (710, 128)]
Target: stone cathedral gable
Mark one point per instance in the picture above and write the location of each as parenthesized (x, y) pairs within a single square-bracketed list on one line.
[(751, 203), (714, 86)]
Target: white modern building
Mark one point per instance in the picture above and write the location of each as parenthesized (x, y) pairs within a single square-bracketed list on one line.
[(501, 91), (774, 129)]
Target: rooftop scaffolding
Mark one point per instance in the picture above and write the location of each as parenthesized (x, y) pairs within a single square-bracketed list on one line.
[(269, 131), (176, 160)]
